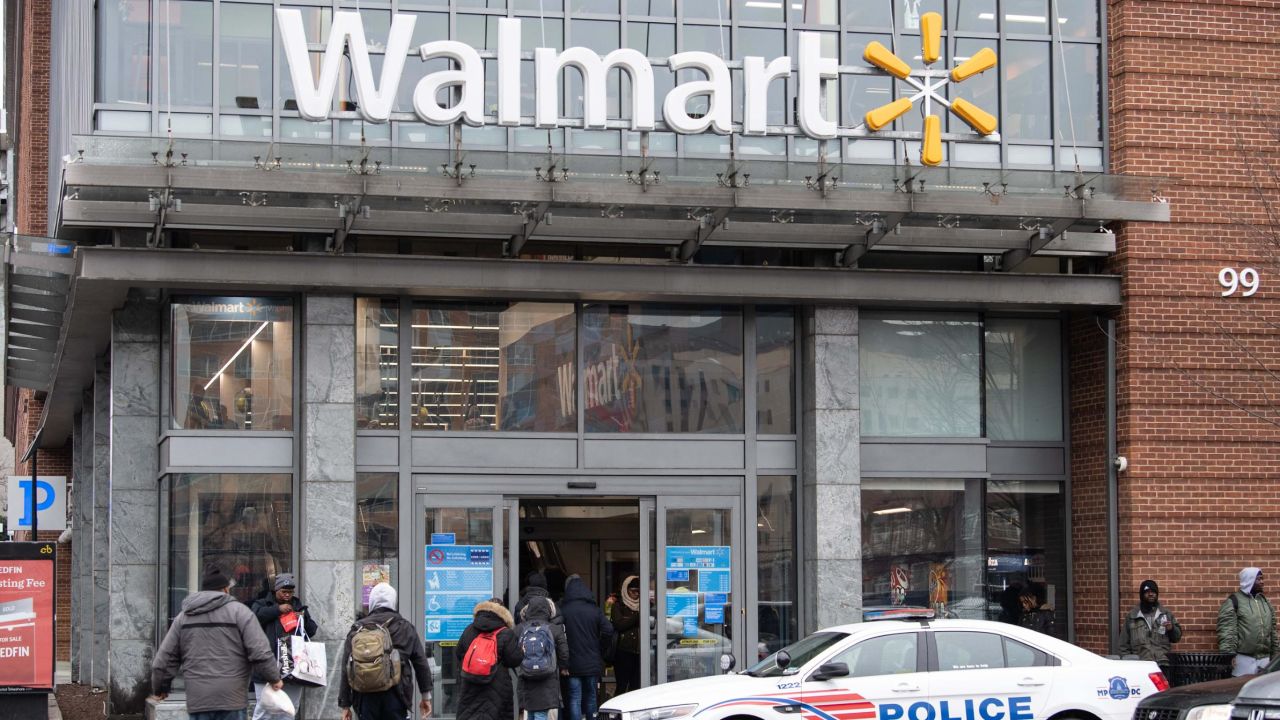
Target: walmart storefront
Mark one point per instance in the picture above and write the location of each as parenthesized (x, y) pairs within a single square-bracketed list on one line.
[(445, 291)]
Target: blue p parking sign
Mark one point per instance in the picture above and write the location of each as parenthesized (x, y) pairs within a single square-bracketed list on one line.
[(49, 494)]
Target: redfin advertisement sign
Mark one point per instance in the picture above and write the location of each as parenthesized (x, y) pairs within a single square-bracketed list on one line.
[(26, 615)]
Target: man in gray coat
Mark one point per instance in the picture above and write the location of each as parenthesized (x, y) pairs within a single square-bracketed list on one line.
[(217, 645)]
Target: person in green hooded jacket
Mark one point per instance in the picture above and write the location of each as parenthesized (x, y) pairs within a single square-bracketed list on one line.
[(1247, 625), (1150, 629)]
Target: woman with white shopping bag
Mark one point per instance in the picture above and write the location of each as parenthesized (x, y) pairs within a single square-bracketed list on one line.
[(287, 624)]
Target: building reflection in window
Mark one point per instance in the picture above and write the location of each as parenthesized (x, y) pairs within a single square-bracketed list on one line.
[(377, 364), (920, 375), (775, 372), (242, 524), (377, 531), (776, 552), (1026, 547)]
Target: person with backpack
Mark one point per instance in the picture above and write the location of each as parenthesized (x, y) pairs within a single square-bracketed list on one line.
[(588, 632), (280, 612), (546, 657), (374, 679), (486, 651), (1247, 625)]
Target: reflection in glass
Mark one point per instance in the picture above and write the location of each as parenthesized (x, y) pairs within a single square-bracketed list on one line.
[(185, 53), (1079, 120), (756, 11), (706, 9), (973, 16), (241, 524), (908, 12), (662, 369), (377, 531), (920, 375), (868, 14), (244, 70), (814, 12), (1026, 17), (922, 545), (776, 543), (233, 364), (775, 375), (124, 52), (502, 366), (469, 526), (1025, 68), (1026, 548), (377, 364), (698, 630), (1078, 18), (1024, 379)]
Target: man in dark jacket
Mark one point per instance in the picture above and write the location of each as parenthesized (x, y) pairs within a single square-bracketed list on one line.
[(588, 629), (540, 695), (280, 613), (1149, 630), (489, 700), (217, 645), (390, 704)]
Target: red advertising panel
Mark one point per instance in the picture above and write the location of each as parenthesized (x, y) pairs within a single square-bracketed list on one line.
[(26, 615)]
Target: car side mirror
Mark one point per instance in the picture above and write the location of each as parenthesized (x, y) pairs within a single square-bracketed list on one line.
[(783, 660), (727, 661), (830, 670)]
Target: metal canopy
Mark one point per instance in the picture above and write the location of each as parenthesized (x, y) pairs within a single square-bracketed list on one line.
[(37, 279), (517, 198)]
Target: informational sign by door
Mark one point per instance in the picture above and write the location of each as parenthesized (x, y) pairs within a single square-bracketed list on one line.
[(458, 577), (26, 616), (702, 580)]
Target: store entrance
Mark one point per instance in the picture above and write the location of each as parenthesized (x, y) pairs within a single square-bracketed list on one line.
[(684, 551)]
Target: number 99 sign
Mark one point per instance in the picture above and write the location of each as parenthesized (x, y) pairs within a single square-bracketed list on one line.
[(1245, 280)]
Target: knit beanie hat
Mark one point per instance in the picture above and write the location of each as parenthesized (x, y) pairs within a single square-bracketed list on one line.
[(1148, 585), (214, 579)]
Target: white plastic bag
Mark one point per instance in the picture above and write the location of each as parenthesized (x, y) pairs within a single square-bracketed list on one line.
[(276, 701)]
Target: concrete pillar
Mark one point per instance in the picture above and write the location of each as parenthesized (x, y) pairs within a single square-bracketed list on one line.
[(134, 455), (101, 527), (328, 481), (832, 477)]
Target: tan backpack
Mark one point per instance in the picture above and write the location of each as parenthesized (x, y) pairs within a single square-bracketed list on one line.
[(373, 664)]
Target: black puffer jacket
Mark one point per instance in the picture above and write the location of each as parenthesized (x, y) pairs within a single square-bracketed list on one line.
[(543, 693), (413, 657), (586, 626), (267, 610), (491, 701)]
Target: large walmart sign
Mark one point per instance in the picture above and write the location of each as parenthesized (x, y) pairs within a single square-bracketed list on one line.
[(466, 77)]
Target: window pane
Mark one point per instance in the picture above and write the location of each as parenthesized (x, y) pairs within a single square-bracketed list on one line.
[(245, 66), (655, 8), (377, 364), (1078, 18), (1026, 75), (908, 13), (1026, 17), (124, 52), (233, 363), (922, 545), (242, 524), (981, 90), (920, 375), (814, 12), (973, 16), (1024, 379), (377, 530), (969, 650), (707, 9), (775, 351), (1018, 655), (316, 23), (863, 93), (494, 367), (185, 62), (663, 369), (868, 14), (578, 7), (1026, 550), (776, 547), (754, 10), (1079, 120), (885, 655)]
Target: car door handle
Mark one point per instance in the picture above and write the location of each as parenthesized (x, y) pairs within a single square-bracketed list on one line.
[(1030, 682), (905, 688)]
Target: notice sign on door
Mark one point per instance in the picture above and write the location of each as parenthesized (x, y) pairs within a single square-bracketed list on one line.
[(458, 577), (26, 615)]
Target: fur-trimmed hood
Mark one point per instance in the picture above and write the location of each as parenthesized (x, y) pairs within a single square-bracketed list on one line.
[(494, 609)]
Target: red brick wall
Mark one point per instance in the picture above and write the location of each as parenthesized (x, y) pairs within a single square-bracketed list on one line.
[(1189, 83)]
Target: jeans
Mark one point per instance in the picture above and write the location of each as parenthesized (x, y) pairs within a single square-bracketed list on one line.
[(293, 691), (219, 715), (582, 697), (538, 715)]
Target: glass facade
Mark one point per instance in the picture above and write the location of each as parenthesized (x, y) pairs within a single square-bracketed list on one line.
[(377, 531), (777, 547), (1042, 44), (377, 364), (232, 363)]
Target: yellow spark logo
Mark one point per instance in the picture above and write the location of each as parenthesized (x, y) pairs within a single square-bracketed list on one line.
[(927, 88)]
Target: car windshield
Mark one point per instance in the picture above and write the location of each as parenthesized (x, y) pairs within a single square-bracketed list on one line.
[(801, 653)]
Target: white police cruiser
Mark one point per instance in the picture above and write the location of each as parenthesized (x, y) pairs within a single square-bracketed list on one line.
[(909, 670)]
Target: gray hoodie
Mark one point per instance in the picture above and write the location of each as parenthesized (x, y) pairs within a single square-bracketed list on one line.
[(215, 643)]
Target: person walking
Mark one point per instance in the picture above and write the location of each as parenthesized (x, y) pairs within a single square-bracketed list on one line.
[(545, 651), (217, 645), (1150, 629), (280, 614), (378, 685), (484, 691), (625, 618), (588, 629), (1247, 625)]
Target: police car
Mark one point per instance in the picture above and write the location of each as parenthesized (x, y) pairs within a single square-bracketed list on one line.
[(905, 670)]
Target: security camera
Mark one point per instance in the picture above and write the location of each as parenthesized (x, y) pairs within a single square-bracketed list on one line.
[(1122, 463)]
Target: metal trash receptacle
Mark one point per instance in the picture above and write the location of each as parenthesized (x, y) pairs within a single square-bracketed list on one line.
[(1186, 668)]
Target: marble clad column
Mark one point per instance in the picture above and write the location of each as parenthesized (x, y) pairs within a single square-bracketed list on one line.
[(328, 481), (101, 524), (832, 527), (82, 545), (77, 539), (135, 497)]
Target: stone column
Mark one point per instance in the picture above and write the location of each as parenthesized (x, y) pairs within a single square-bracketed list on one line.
[(135, 461), (78, 524), (101, 531), (328, 481), (832, 483)]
